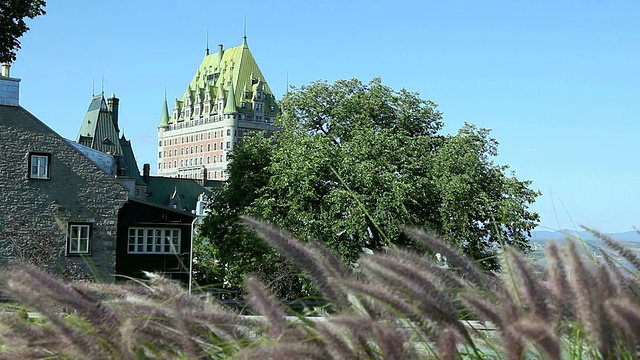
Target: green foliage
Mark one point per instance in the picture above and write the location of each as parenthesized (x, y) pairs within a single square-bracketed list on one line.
[(354, 163), (12, 15), (233, 250)]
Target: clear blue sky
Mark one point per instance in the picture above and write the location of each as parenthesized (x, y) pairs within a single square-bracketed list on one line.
[(557, 81)]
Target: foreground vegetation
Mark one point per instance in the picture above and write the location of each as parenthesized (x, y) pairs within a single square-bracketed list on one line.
[(397, 305)]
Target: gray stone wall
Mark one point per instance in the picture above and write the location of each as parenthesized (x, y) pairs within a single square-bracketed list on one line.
[(35, 214)]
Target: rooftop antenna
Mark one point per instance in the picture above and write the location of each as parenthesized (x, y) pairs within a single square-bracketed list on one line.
[(207, 45)]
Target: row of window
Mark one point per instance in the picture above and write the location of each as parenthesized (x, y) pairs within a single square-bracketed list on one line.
[(192, 138), (141, 240), (189, 162), (153, 241), (197, 174), (193, 150)]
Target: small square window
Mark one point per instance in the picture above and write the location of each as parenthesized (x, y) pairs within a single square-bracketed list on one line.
[(79, 238), (39, 165)]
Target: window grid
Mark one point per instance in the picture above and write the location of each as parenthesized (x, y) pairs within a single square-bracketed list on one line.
[(153, 241), (39, 167), (79, 239)]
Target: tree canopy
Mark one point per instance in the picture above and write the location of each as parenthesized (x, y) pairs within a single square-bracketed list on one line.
[(354, 163), (12, 16)]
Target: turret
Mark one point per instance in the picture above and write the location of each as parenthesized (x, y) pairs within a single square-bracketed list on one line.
[(230, 106), (164, 116)]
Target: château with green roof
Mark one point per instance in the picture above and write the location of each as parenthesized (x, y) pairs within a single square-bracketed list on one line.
[(227, 98)]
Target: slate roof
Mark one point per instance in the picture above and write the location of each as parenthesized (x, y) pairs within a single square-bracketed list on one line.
[(97, 130), (104, 161), (128, 164)]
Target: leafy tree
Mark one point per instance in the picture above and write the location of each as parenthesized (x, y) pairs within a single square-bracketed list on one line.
[(12, 15), (232, 250), (354, 163)]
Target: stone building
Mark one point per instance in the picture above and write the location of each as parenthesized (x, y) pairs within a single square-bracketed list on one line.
[(227, 98), (154, 226), (60, 209)]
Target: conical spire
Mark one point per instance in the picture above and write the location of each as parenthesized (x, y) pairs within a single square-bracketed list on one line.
[(230, 106), (164, 117)]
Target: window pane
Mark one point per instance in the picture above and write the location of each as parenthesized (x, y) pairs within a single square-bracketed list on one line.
[(84, 246), (84, 232), (74, 232)]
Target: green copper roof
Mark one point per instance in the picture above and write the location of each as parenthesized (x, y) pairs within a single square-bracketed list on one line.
[(230, 106), (164, 117), (229, 69), (97, 130), (160, 189)]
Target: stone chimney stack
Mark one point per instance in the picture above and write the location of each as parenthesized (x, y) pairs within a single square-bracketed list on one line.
[(113, 103), (146, 169), (9, 88), (6, 67), (204, 176)]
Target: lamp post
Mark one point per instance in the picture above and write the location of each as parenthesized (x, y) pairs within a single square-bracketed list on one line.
[(200, 213)]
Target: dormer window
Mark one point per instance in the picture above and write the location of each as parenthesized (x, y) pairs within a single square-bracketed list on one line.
[(39, 165), (243, 105)]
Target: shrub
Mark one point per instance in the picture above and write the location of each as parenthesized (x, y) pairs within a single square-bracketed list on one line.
[(401, 305)]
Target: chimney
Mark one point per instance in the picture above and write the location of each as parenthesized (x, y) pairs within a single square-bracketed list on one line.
[(204, 176), (5, 69), (9, 88), (113, 103), (219, 53), (146, 168)]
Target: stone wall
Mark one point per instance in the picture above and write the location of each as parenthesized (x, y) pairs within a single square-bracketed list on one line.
[(35, 213)]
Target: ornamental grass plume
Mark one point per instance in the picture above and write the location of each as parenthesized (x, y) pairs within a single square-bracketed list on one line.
[(401, 305)]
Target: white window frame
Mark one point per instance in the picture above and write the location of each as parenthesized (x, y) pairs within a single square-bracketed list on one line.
[(39, 165), (147, 240), (79, 239)]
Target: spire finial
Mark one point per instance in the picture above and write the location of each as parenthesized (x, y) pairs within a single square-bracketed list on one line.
[(102, 85), (93, 86), (207, 40), (286, 90), (165, 93), (244, 32)]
